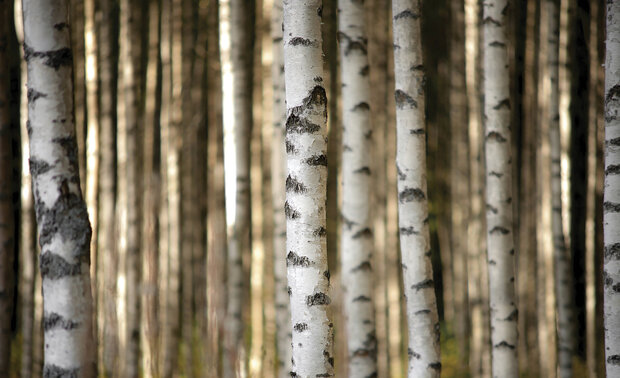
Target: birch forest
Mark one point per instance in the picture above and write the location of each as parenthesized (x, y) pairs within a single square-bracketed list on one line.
[(309, 188)]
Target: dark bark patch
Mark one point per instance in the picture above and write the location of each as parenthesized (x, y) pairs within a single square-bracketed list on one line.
[(496, 137), (614, 360), (363, 233), (54, 320), (514, 315), (403, 100), (53, 371), (426, 284), (401, 174), (61, 25), (69, 144), (492, 262), (364, 71), (499, 230), (422, 312), (290, 212), (496, 174), (613, 142), (505, 103), (417, 131), (321, 231), (293, 374), (616, 288), (295, 260), (613, 169), (52, 58), (290, 148), (613, 94), (407, 13), (352, 44), (492, 209), (497, 44), (317, 160), (489, 20), (289, 291), (326, 274), (361, 106), (361, 298), (435, 366), (300, 327), (347, 222), (317, 79), (318, 299), (363, 170), (612, 252), (300, 41), (417, 67), (411, 194), (611, 207), (324, 375), (365, 266), (411, 354), (408, 231), (504, 344), (34, 95), (295, 186), (317, 97), (54, 267), (38, 167), (299, 125)]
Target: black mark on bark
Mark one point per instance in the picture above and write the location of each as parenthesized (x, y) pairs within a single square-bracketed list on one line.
[(53, 371), (293, 185), (321, 231), (299, 125), (317, 160), (411, 354), (361, 298), (612, 251), (300, 327), (499, 230), (496, 137), (490, 20), (504, 344), (497, 44), (38, 167), (426, 284), (54, 267), (318, 299), (361, 106), (299, 41), (54, 320), (610, 207), (365, 266), (505, 103), (411, 194), (514, 315), (61, 25), (404, 100), (408, 231), (290, 212), (295, 260), (34, 95), (612, 170), (407, 13), (363, 170), (363, 233), (52, 58)]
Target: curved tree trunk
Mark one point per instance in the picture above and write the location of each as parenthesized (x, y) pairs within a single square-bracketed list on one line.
[(278, 178), (419, 288), (611, 204), (562, 259), (357, 232), (7, 226), (64, 230), (307, 271), (499, 190)]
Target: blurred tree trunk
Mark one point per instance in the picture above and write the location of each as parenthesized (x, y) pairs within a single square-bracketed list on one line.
[(79, 83), (7, 215), (611, 206), (61, 212), (499, 190)]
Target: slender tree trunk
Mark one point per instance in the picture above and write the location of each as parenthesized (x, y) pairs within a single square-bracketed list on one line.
[(278, 178), (357, 231), (611, 204), (499, 191), (308, 274), (76, 15), (64, 230), (7, 215), (419, 287)]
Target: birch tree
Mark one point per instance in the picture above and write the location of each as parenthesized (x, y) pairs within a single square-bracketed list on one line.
[(357, 231), (306, 146), (611, 204), (278, 179), (64, 230), (7, 227), (419, 288), (498, 182), (563, 265)]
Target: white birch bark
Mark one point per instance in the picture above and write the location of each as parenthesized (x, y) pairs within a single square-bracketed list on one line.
[(611, 204), (64, 230), (499, 190), (306, 185), (562, 259), (278, 179), (419, 288), (357, 231)]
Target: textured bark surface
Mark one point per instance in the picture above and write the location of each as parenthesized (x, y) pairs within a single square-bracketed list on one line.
[(64, 230), (357, 231), (278, 179), (420, 301), (7, 226), (611, 204), (306, 145), (562, 259), (499, 190)]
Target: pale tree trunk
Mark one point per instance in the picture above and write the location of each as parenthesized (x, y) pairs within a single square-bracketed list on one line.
[(236, 18), (419, 287), (76, 15), (7, 226), (357, 231), (150, 202), (306, 185), (562, 260), (611, 204), (278, 178), (108, 256), (64, 230), (499, 190)]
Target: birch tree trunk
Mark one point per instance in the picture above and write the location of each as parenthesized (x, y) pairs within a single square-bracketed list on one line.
[(7, 226), (562, 259), (306, 146), (278, 179), (64, 230), (499, 190), (611, 204), (357, 231), (419, 288)]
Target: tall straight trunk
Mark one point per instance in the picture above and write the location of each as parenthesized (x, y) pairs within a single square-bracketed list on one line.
[(499, 190), (7, 226), (278, 179), (611, 204), (237, 66), (64, 230), (562, 260), (419, 287), (357, 231), (108, 257), (76, 15), (150, 201), (306, 245)]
